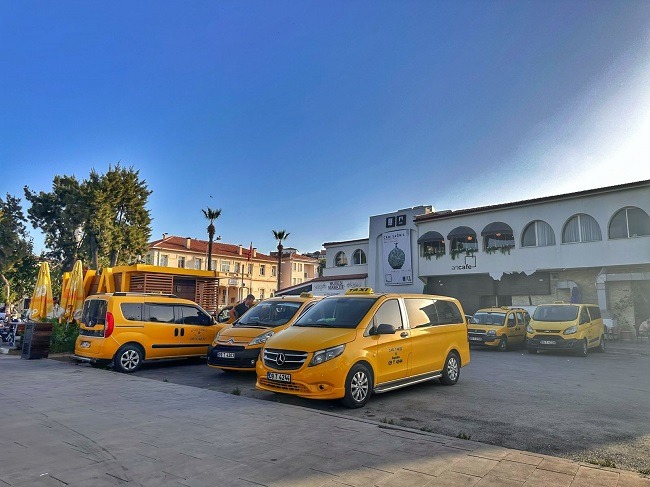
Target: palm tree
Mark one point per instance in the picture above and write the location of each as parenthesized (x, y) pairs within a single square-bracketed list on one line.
[(211, 215), (280, 235)]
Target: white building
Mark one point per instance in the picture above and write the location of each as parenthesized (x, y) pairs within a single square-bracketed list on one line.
[(590, 246)]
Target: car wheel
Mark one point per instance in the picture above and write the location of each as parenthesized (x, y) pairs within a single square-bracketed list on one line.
[(601, 345), (503, 344), (451, 370), (358, 386), (583, 349), (128, 359)]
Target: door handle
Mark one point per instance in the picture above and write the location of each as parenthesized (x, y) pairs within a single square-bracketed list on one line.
[(182, 332), (403, 334), (175, 332)]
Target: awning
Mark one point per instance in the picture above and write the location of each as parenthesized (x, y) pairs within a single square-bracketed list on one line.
[(461, 232), (497, 227), (431, 237)]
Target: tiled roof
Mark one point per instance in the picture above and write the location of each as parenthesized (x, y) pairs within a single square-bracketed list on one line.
[(179, 244), (481, 209)]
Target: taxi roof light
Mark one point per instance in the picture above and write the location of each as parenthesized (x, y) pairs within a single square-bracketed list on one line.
[(360, 290), (307, 295)]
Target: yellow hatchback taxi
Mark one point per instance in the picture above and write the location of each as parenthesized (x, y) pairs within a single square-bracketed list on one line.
[(499, 328), (127, 328), (237, 347), (566, 327), (351, 346)]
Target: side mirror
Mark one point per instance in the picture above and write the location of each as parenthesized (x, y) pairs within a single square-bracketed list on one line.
[(383, 329)]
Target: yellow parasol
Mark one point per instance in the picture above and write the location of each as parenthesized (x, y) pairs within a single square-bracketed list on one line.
[(41, 305), (72, 298)]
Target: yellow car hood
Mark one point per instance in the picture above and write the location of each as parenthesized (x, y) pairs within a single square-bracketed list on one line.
[(548, 327), (311, 339), (245, 332), (474, 326)]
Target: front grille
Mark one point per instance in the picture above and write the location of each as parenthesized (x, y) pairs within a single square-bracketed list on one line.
[(284, 359), (228, 348), (477, 332), (283, 386)]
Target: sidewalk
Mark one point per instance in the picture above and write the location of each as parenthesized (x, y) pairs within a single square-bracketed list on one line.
[(86, 427)]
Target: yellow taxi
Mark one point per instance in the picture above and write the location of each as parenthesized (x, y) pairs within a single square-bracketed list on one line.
[(566, 327), (499, 328), (237, 347), (127, 328), (354, 345)]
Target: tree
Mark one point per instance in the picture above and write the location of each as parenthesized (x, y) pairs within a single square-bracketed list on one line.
[(102, 220), (280, 236), (211, 215)]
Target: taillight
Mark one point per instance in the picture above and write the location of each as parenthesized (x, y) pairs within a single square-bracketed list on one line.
[(110, 324)]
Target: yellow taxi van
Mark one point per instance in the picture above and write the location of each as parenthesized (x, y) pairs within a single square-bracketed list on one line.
[(354, 345), (124, 329), (566, 327), (499, 328), (237, 347)]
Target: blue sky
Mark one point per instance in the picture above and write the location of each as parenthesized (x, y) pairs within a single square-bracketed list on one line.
[(352, 108)]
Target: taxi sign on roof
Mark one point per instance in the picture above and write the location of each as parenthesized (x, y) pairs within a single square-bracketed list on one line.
[(360, 290)]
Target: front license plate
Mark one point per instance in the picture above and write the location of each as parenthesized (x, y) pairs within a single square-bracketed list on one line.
[(226, 354), (278, 377), (547, 342), (85, 344), (475, 339)]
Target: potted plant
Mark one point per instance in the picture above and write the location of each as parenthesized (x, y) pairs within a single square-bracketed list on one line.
[(621, 312)]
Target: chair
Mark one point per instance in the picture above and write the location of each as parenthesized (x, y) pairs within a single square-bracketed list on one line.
[(612, 333)]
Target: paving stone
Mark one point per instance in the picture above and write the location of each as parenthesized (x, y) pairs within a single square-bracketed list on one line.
[(455, 479), (474, 466), (631, 480), (548, 478), (559, 465), (523, 457), (406, 478), (494, 481), (594, 477), (512, 470)]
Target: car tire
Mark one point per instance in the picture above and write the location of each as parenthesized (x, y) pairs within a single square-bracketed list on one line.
[(128, 359), (451, 370), (601, 346), (584, 349), (503, 344), (358, 386)]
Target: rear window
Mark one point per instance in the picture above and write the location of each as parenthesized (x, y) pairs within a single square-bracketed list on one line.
[(94, 312), (432, 312), (556, 313)]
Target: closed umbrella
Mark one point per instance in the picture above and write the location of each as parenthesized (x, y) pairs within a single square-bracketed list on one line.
[(41, 305), (72, 297)]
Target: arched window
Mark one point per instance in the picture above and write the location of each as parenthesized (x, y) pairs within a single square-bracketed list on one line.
[(359, 257), (498, 236), (432, 244), (581, 228), (629, 222), (340, 260), (462, 239), (538, 234)]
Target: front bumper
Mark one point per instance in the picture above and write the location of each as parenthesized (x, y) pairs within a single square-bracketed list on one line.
[(234, 358), (484, 340), (554, 342)]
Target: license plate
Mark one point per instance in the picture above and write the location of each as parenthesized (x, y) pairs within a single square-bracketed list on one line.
[(475, 339), (278, 377), (547, 342), (226, 354), (85, 344)]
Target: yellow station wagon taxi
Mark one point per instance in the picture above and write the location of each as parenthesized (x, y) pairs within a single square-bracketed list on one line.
[(564, 326), (499, 328), (237, 347), (351, 346), (127, 328)]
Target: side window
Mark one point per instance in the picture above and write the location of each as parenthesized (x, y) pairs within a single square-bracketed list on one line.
[(584, 317), (448, 313), (389, 313), (594, 312), (511, 320), (520, 318), (131, 311), (421, 312), (190, 315), (160, 313)]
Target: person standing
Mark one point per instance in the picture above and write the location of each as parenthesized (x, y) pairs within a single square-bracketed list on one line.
[(242, 307)]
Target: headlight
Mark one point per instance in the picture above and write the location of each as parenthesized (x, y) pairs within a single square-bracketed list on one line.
[(262, 338), (491, 333), (530, 329), (571, 330), (325, 355)]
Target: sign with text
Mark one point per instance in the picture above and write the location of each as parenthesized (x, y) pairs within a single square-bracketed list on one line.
[(335, 286), (397, 258)]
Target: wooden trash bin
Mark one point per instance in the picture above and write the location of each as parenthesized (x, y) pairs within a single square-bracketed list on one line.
[(36, 340)]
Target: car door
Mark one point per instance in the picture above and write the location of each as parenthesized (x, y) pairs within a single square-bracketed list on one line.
[(161, 330), (392, 350), (196, 330), (426, 344), (520, 329), (585, 324)]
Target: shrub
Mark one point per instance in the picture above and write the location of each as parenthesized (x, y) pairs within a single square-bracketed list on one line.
[(64, 336)]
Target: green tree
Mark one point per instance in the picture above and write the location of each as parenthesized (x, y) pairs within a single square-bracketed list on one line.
[(280, 236), (211, 215)]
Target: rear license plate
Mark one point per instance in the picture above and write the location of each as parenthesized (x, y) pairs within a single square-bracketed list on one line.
[(278, 377), (475, 339), (226, 354), (85, 345), (548, 342)]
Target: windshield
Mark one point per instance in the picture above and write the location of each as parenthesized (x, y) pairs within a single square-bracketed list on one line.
[(270, 314), (556, 313), (336, 312), (486, 318)]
